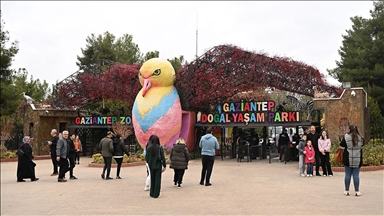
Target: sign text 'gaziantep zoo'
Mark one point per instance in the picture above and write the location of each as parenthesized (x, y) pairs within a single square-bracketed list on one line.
[(102, 120), (247, 112)]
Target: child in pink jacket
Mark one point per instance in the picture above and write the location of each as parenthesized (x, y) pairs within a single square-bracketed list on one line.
[(309, 153)]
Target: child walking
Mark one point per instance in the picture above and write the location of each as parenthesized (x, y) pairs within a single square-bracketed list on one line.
[(301, 147), (309, 153)]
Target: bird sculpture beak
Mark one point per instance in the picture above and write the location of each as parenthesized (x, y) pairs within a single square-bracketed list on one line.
[(146, 86)]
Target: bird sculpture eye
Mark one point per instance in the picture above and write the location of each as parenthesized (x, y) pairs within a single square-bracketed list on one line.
[(157, 72), (140, 73)]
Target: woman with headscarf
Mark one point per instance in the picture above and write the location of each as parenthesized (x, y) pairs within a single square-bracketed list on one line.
[(25, 165), (352, 159), (155, 159)]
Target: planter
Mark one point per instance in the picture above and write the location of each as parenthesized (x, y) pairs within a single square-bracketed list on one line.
[(363, 168), (41, 157)]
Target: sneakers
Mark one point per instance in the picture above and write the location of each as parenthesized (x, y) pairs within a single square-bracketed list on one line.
[(175, 184), (22, 180), (118, 177), (102, 176), (61, 180), (146, 188), (201, 183), (311, 175), (302, 175), (330, 175), (346, 193), (324, 175), (54, 174), (35, 179), (358, 193), (178, 186), (73, 178), (108, 178), (208, 184)]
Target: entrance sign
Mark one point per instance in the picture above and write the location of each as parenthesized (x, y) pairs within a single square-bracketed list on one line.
[(248, 112), (102, 120)]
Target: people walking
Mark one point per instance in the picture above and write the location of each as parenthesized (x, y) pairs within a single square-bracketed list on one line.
[(208, 144), (78, 148), (72, 156), (148, 179), (118, 153), (283, 145), (52, 145), (106, 148), (25, 165), (155, 159), (62, 153), (352, 159), (179, 161), (324, 149)]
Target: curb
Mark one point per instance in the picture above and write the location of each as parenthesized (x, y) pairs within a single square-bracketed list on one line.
[(138, 163), (362, 169), (41, 157)]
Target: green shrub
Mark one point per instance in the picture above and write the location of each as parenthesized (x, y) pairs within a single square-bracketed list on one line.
[(8, 154), (373, 154), (98, 158)]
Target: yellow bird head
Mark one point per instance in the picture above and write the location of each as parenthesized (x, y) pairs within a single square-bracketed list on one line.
[(156, 72)]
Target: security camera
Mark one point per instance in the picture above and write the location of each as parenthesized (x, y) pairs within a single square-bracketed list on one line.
[(46, 111), (353, 93)]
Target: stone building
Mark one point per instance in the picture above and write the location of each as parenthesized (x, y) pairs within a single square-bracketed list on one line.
[(350, 109), (38, 123)]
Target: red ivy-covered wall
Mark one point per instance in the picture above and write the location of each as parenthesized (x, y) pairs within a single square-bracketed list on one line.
[(227, 70), (217, 75)]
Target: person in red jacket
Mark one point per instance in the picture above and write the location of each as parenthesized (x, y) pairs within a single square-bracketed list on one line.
[(309, 153)]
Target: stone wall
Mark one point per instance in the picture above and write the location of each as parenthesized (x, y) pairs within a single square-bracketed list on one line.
[(44, 120), (344, 111)]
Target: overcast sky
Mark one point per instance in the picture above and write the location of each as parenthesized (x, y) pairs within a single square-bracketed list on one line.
[(51, 34)]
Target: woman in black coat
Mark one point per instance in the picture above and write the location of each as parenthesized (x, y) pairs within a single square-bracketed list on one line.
[(118, 153), (25, 165), (179, 161)]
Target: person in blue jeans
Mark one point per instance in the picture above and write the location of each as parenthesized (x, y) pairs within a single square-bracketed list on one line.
[(352, 159), (208, 145)]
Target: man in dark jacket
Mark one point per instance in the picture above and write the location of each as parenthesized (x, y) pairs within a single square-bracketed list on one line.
[(72, 156), (106, 148), (52, 144), (283, 143), (314, 137)]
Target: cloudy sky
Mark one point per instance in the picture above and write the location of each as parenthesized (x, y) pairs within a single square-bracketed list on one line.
[(51, 34)]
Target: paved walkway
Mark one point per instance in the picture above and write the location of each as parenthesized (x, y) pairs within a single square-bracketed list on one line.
[(255, 188)]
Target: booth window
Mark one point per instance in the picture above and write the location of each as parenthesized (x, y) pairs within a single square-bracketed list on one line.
[(31, 129), (62, 126)]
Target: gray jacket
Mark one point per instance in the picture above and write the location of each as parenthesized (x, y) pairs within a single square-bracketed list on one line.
[(352, 154), (106, 147), (62, 148)]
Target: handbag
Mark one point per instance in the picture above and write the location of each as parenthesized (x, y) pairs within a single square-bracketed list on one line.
[(20, 152), (339, 155)]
